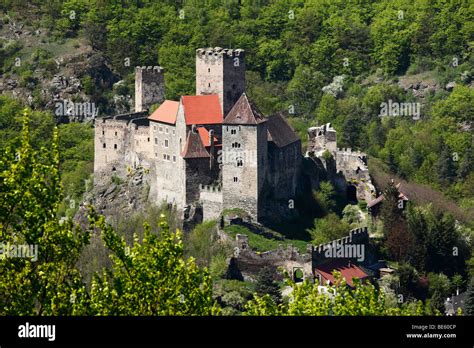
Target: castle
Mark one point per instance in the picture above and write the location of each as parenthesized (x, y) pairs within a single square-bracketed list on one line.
[(347, 169), (212, 150)]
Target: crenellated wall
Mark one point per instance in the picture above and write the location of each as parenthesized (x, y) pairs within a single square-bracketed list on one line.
[(211, 199), (249, 262)]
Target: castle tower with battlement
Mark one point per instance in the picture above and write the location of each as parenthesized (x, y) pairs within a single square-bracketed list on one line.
[(221, 71), (149, 87)]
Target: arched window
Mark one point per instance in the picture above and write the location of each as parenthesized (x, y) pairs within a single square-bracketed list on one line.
[(240, 162)]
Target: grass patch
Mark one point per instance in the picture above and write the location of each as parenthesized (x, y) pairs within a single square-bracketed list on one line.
[(260, 243)]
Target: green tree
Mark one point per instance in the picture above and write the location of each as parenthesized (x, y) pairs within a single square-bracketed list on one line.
[(329, 228), (306, 299), (48, 284), (445, 166), (391, 210), (266, 284), (469, 304), (151, 277)]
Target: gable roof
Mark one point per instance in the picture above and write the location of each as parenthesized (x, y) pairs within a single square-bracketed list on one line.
[(347, 269), (194, 147), (244, 112), (166, 112), (280, 132), (379, 199), (204, 134), (202, 109)]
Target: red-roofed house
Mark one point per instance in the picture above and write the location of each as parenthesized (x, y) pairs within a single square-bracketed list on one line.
[(347, 268), (374, 205)]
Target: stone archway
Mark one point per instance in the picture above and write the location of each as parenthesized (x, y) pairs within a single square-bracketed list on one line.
[(298, 275), (351, 193)]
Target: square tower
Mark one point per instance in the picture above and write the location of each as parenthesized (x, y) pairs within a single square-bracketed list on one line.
[(244, 158), (221, 71), (149, 87)]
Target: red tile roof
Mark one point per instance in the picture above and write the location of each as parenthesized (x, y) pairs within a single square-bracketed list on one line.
[(202, 109), (194, 147), (344, 266), (204, 134), (166, 112)]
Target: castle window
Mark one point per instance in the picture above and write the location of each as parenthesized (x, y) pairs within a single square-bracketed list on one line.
[(148, 139), (154, 127), (166, 143), (233, 131), (208, 69), (104, 146), (164, 157), (233, 86), (103, 132), (160, 129), (209, 84), (115, 146), (166, 130), (174, 158), (236, 179), (115, 133), (174, 132), (156, 155), (156, 140), (168, 157), (240, 163)]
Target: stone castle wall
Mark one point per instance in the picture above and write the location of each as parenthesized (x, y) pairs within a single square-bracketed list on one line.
[(112, 142), (284, 167), (249, 262), (211, 200), (356, 236), (242, 185)]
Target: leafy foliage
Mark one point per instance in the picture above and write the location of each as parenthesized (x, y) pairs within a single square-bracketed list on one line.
[(306, 299)]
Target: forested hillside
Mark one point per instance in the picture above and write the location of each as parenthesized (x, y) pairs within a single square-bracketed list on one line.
[(317, 61), (404, 51)]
